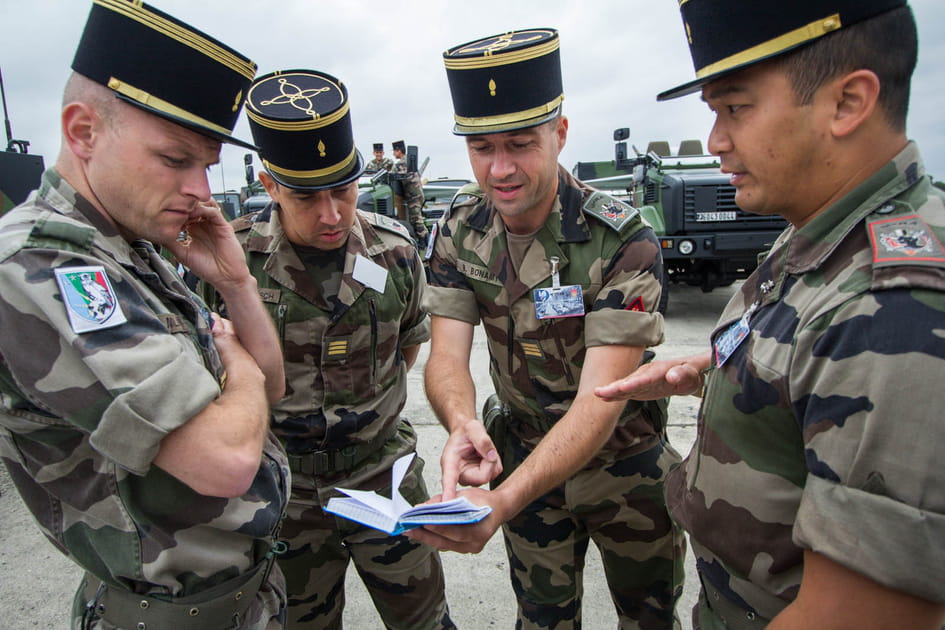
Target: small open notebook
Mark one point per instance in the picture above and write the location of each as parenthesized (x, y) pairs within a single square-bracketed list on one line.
[(396, 515)]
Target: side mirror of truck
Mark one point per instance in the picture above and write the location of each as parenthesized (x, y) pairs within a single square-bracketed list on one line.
[(620, 155), (248, 168)]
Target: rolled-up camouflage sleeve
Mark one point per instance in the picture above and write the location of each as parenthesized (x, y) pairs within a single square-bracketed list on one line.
[(415, 327), (449, 293), (866, 383), (128, 385), (624, 312)]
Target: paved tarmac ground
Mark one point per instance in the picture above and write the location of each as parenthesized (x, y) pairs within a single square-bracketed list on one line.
[(37, 582)]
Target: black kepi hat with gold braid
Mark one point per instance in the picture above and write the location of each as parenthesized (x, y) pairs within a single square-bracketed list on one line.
[(505, 82), (728, 35), (301, 121), (166, 67)]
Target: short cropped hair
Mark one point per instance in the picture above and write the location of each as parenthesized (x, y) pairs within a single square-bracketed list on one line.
[(82, 89), (886, 44)]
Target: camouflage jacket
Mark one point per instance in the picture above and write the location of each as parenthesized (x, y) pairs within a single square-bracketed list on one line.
[(345, 372), (602, 245), (386, 164), (822, 430), (83, 414)]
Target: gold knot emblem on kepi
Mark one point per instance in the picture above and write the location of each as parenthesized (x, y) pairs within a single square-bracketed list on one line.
[(301, 122)]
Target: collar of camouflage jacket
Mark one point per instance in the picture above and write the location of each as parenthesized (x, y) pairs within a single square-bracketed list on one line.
[(566, 221), (284, 266), (810, 246), (77, 213)]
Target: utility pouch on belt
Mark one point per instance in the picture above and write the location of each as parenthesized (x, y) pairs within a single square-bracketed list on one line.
[(495, 416)]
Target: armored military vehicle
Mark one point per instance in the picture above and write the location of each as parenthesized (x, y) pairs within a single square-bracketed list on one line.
[(19, 171), (706, 240)]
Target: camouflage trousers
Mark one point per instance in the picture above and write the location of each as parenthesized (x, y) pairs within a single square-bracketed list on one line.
[(620, 507), (405, 579)]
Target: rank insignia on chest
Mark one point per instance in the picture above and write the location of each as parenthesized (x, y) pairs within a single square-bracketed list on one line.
[(89, 298), (532, 349), (904, 239), (335, 349)]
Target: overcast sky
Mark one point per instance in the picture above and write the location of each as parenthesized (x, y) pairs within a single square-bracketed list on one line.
[(616, 56)]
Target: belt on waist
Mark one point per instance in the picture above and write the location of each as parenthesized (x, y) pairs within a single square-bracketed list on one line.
[(339, 459), (221, 607), (732, 616)]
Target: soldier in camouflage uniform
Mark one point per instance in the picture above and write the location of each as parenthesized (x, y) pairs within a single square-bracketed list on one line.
[(813, 493), (565, 281), (133, 425), (409, 201), (379, 162), (344, 289)]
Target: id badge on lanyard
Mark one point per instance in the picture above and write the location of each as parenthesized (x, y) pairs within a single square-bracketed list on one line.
[(558, 301), (726, 343)]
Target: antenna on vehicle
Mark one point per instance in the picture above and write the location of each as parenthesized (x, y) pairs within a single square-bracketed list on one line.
[(14, 146)]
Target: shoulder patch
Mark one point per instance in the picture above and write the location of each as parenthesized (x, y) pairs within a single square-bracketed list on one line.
[(610, 211), (49, 231), (904, 240), (466, 194), (89, 299)]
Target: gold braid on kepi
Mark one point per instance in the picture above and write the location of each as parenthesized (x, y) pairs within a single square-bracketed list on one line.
[(301, 122), (162, 65), (728, 35), (505, 82)]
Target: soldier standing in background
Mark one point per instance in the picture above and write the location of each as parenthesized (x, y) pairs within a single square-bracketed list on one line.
[(380, 162), (813, 496), (565, 280), (135, 423), (344, 289), (408, 192)]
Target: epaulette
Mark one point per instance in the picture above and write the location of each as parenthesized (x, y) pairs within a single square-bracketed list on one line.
[(609, 210), (467, 193), (56, 234), (243, 222), (387, 223)]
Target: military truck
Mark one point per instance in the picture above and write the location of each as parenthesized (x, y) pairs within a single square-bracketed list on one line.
[(437, 196), (19, 171), (706, 240)]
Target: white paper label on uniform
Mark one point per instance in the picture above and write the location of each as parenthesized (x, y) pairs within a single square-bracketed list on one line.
[(370, 274)]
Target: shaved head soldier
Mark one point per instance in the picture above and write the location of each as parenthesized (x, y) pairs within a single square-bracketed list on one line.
[(134, 422)]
